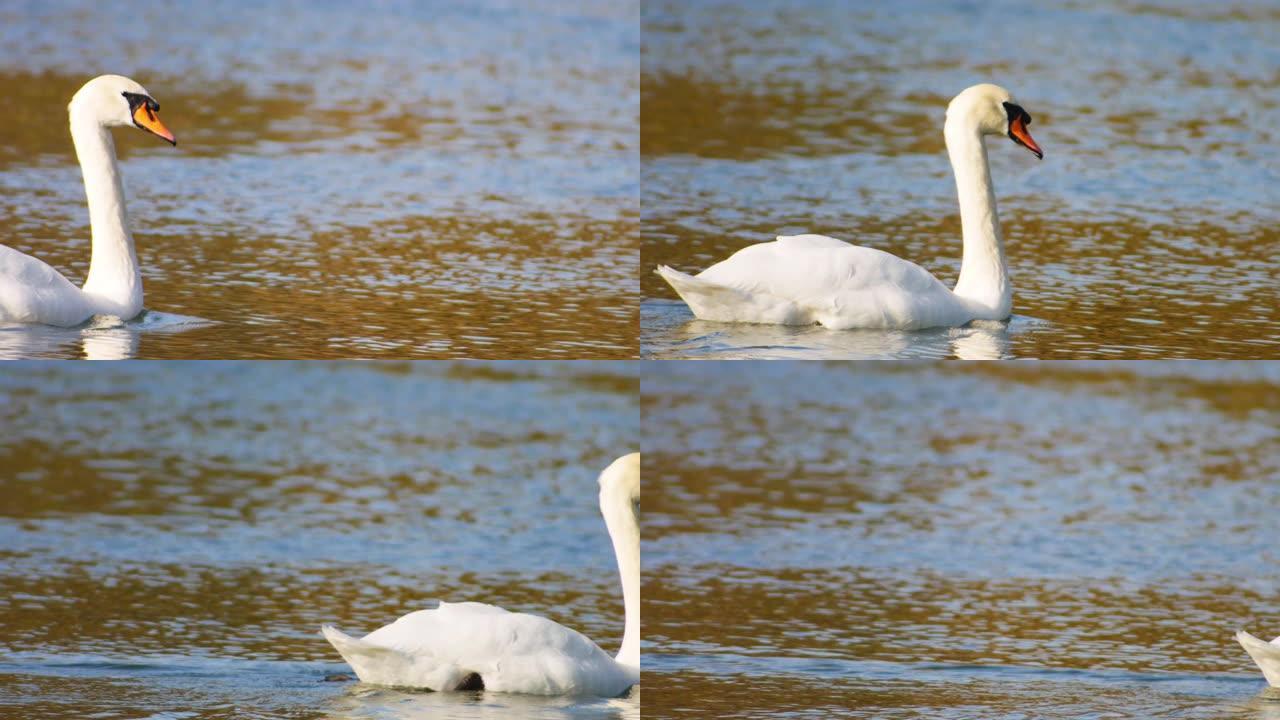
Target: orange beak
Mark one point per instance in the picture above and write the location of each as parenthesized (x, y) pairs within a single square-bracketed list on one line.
[(146, 118), (1018, 132)]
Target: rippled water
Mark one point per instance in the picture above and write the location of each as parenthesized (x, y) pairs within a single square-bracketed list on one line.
[(1149, 229), (172, 535), (396, 179), (908, 540)]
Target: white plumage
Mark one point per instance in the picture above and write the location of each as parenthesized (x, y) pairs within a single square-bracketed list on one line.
[(808, 279), (33, 292), (469, 645), (1265, 654)]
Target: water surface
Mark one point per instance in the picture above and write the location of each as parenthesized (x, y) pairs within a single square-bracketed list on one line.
[(1148, 231), (872, 540), (173, 535), (400, 179)]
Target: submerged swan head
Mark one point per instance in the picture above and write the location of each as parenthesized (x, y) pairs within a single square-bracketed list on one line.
[(117, 101), (993, 110)]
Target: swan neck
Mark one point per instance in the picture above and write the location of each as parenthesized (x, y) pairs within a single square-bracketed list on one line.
[(114, 280), (984, 277), (624, 530)]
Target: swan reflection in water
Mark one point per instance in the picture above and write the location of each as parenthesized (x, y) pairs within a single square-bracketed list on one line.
[(368, 701), (115, 341), (670, 333), (103, 337)]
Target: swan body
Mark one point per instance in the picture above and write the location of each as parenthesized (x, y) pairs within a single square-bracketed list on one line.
[(33, 292), (469, 645), (814, 279), (1265, 654), (808, 279)]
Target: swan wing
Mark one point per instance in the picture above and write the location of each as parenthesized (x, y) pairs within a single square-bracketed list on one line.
[(442, 648), (806, 279), (811, 241), (1265, 654), (33, 292)]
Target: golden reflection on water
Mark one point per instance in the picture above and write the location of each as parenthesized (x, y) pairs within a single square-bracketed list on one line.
[(141, 613), (218, 121), (909, 539), (1146, 232), (1188, 290), (695, 694), (416, 286), (1236, 398), (267, 613), (713, 118), (935, 618), (501, 278), (165, 522)]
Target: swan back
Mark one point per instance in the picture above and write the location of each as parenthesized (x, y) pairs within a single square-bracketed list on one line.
[(102, 100), (443, 648)]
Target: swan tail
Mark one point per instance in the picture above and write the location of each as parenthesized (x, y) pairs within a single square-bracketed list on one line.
[(380, 665), (721, 303), (370, 662), (1265, 654)]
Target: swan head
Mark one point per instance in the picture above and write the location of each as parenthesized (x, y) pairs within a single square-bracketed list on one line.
[(994, 111), (117, 101), (620, 483)]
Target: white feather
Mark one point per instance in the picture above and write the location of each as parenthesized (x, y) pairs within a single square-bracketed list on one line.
[(1265, 654), (814, 279)]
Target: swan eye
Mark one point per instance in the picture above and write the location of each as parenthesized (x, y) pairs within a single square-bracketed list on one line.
[(1019, 119), (143, 109), (137, 100), (1013, 112)]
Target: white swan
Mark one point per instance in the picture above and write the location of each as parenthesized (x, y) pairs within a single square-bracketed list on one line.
[(471, 646), (1265, 654), (807, 279), (33, 292)]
